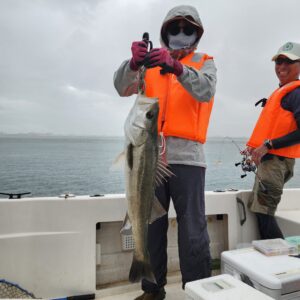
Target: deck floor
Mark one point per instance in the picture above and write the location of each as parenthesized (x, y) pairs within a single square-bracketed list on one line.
[(173, 292), (131, 291)]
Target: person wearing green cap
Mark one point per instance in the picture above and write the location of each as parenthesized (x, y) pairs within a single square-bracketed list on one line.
[(275, 141)]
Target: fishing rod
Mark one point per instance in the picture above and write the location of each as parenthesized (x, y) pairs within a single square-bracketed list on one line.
[(248, 165), (149, 43), (141, 81), (164, 68)]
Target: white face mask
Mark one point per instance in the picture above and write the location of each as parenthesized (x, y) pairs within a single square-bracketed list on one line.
[(181, 41)]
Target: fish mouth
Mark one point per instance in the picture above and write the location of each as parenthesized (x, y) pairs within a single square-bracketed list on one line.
[(138, 126), (133, 138)]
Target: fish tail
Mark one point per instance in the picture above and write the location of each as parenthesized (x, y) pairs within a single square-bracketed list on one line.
[(141, 270)]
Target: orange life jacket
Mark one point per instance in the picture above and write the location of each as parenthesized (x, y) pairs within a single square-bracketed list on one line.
[(180, 115), (275, 122)]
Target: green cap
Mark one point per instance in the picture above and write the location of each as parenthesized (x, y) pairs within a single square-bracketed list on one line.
[(290, 49)]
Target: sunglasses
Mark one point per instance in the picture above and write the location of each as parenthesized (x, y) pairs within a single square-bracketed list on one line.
[(174, 29), (284, 60)]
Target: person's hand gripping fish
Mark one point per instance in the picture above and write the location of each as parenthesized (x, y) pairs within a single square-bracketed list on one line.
[(161, 57), (140, 52)]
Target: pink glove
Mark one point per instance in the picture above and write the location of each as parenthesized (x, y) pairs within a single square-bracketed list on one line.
[(139, 51), (161, 57)]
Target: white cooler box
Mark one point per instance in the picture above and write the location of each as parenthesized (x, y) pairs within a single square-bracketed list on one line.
[(277, 276), (222, 287)]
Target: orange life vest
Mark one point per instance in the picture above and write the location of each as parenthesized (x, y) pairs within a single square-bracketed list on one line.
[(180, 115), (275, 122)]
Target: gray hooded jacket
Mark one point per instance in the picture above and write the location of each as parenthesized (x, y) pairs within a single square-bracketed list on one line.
[(201, 84)]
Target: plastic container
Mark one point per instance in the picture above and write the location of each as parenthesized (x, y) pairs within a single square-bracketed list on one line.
[(222, 287), (277, 276), (294, 240), (275, 247)]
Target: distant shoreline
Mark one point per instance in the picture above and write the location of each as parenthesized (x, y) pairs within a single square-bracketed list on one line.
[(55, 136), (51, 135)]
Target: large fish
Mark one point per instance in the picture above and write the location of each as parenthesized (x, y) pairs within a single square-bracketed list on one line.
[(143, 171)]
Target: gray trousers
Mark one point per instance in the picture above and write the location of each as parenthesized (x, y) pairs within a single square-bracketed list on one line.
[(186, 189)]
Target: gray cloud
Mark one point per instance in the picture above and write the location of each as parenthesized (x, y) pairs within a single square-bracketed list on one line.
[(57, 59)]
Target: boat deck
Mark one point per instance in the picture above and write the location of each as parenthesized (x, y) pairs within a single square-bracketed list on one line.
[(173, 292), (127, 291)]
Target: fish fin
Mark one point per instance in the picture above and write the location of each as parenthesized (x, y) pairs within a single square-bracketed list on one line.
[(141, 270), (162, 172), (126, 226), (157, 210), (129, 157), (119, 161)]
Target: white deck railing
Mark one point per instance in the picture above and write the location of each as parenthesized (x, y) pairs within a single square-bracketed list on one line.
[(48, 245)]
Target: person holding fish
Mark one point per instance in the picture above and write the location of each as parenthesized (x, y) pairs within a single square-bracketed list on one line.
[(184, 82)]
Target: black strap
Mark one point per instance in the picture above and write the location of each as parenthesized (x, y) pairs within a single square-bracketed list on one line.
[(263, 102), (15, 195)]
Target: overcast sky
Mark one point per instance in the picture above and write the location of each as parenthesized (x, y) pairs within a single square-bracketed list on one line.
[(58, 57)]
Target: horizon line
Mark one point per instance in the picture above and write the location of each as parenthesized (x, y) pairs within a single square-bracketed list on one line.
[(48, 134)]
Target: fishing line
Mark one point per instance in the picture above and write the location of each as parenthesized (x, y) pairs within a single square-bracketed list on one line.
[(219, 160), (246, 163), (223, 154), (162, 144), (220, 154)]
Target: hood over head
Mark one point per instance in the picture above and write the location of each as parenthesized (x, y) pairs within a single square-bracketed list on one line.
[(186, 12)]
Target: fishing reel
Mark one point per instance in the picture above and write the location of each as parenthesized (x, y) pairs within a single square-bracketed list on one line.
[(246, 164)]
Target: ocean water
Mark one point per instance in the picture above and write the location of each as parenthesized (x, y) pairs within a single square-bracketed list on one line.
[(51, 166)]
